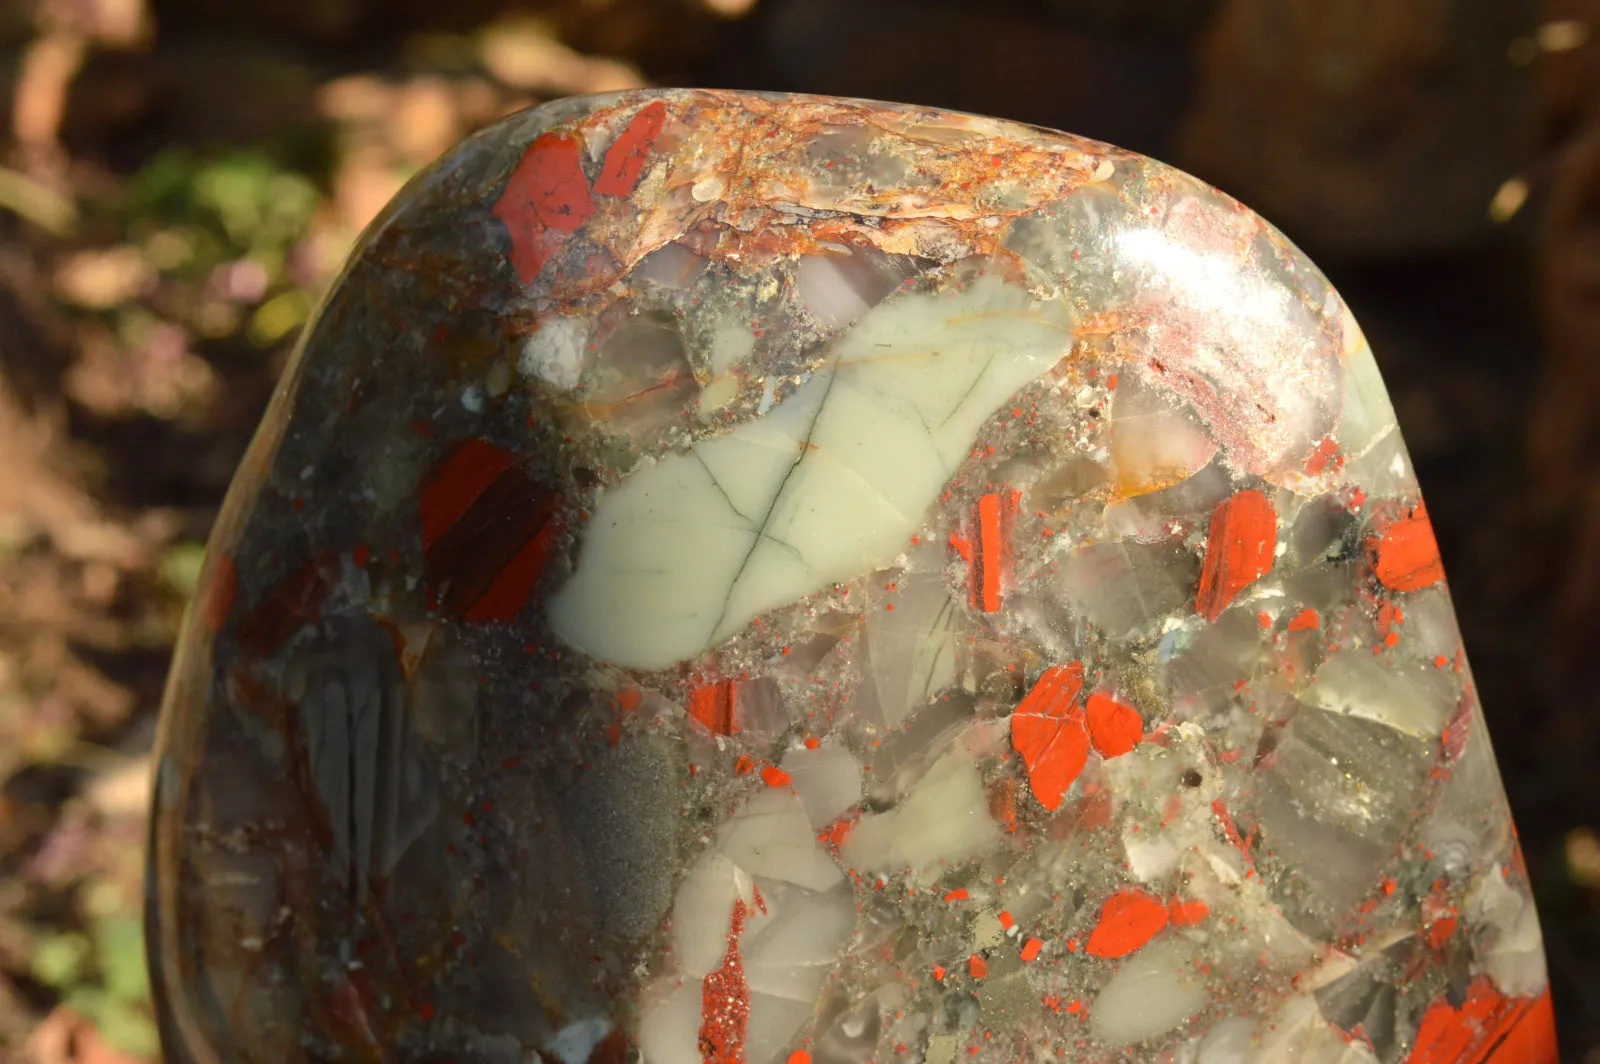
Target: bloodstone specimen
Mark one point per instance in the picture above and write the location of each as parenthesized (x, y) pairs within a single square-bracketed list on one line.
[(733, 579)]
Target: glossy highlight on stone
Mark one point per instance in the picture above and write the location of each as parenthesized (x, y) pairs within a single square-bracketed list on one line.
[(734, 578)]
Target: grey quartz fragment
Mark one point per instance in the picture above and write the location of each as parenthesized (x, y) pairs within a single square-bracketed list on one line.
[(1127, 588), (1335, 793), (622, 815)]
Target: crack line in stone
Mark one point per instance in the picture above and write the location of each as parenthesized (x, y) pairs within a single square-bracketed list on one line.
[(761, 532), (718, 485), (961, 401), (988, 311), (939, 623)]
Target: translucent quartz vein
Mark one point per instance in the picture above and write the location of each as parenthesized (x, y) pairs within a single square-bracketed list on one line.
[(744, 579)]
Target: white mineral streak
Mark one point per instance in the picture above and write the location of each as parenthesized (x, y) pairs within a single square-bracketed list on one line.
[(1178, 840), (1515, 960), (1329, 970), (1259, 366), (1161, 821), (669, 1024), (700, 912), (574, 1042), (791, 956), (1127, 588), (1229, 1042), (912, 647), (717, 394), (987, 931), (671, 266), (798, 914), (1430, 619), (827, 779), (1367, 414), (555, 352), (1149, 859), (1277, 942), (1153, 991), (1297, 1032), (708, 188), (1417, 702), (827, 291), (1383, 470), (1367, 434), (1156, 441), (774, 1021), (772, 837), (942, 1049), (498, 379), (828, 486), (731, 343), (944, 819)]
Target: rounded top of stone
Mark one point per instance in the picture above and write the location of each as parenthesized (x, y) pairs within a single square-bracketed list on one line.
[(633, 170), (579, 206)]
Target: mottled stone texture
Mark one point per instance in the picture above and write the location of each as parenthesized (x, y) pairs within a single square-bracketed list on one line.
[(734, 579)]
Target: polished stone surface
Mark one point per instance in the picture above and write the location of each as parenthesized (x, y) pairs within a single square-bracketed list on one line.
[(736, 578)]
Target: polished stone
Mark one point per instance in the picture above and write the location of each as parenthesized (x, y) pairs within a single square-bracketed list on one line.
[(737, 578)]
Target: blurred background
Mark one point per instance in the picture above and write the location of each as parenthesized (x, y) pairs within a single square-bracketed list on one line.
[(179, 179)]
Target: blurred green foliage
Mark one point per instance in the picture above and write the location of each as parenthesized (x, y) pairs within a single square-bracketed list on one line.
[(180, 567), (241, 203), (193, 215), (101, 976)]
